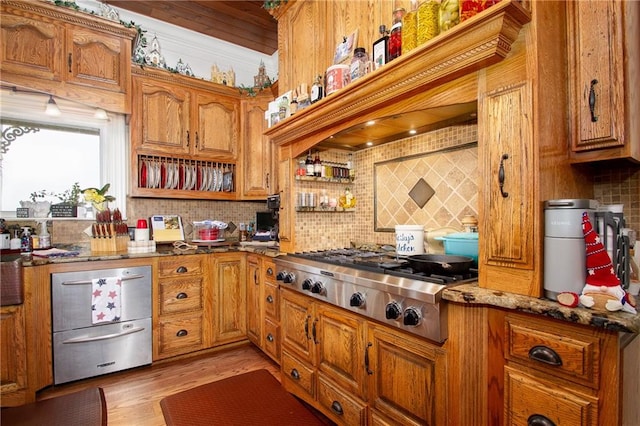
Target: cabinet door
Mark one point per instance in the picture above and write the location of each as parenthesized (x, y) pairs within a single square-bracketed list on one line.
[(230, 298), (13, 369), (31, 45), (596, 74), (256, 150), (97, 60), (507, 194), (339, 338), (407, 378), (302, 61), (254, 298), (285, 220), (217, 126), (160, 122), (296, 325)]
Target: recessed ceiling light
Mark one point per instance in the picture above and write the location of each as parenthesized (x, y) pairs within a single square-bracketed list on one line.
[(413, 131), (369, 143), (371, 122)]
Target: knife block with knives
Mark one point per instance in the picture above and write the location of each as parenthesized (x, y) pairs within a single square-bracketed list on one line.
[(109, 234)]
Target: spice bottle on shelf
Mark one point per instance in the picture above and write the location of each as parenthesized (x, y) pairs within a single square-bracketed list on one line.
[(381, 48), (317, 165), (395, 37), (309, 165), (410, 28), (359, 63), (428, 21)]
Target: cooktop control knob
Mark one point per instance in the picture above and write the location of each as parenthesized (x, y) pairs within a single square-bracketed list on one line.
[(318, 288), (357, 300), (306, 284), (286, 277), (393, 311), (412, 316)]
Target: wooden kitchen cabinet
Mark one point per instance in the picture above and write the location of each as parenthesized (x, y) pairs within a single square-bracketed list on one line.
[(408, 379), (356, 371), (179, 314), (257, 162), (186, 122), (229, 298), (67, 53), (604, 52), (177, 116), (13, 348), (558, 372)]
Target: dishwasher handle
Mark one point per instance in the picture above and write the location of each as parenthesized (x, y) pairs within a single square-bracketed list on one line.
[(104, 337), (85, 282)]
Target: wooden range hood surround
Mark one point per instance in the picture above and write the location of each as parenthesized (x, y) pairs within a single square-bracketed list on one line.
[(440, 73)]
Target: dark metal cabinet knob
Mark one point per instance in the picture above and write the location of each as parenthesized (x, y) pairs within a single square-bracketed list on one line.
[(182, 333), (181, 295), (393, 311), (336, 407), (539, 420), (182, 270)]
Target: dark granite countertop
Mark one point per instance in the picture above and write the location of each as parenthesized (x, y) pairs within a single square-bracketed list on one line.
[(472, 294), (85, 254)]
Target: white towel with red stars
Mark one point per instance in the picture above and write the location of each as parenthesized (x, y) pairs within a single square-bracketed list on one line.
[(106, 299)]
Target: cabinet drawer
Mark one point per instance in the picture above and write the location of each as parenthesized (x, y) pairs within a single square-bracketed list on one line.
[(180, 295), (339, 406), (271, 301), (528, 400), (181, 334), (180, 266), (272, 339), (553, 349), (269, 269), (298, 377)]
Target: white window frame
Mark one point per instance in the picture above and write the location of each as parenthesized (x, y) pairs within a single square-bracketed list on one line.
[(114, 136)]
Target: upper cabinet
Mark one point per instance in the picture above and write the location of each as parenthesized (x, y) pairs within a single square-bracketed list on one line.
[(604, 46), (67, 53), (185, 136), (257, 165)]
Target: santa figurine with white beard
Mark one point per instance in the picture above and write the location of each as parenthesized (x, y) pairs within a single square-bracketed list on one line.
[(602, 289)]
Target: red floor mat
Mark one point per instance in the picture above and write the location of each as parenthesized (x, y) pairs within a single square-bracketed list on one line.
[(254, 398)]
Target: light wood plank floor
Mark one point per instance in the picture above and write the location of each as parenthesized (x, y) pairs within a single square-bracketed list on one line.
[(133, 396)]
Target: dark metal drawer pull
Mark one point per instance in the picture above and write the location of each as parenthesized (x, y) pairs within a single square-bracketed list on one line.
[(270, 299), (366, 359), (545, 355), (539, 420), (181, 296), (181, 270), (295, 375), (501, 176), (337, 408), (182, 333), (270, 337)]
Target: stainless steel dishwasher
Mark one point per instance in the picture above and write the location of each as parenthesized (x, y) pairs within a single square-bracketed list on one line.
[(84, 346)]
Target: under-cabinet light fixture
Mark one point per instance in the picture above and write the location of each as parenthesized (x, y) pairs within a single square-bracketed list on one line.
[(100, 114), (52, 108)]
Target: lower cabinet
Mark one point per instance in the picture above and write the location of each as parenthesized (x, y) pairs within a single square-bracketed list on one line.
[(357, 372), (200, 302), (559, 373), (179, 293), (13, 373)]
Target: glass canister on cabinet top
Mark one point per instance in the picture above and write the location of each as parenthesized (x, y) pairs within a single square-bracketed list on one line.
[(428, 20), (395, 37), (449, 14), (410, 29), (470, 8), (359, 63)]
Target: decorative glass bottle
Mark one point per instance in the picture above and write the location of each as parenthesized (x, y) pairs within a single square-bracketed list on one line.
[(395, 37)]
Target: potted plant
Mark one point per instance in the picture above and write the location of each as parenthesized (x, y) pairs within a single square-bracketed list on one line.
[(38, 206), (69, 199)]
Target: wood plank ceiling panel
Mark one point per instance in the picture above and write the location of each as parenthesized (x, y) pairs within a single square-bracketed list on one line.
[(244, 23)]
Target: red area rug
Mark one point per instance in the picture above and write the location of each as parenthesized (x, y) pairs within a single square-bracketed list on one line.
[(254, 398)]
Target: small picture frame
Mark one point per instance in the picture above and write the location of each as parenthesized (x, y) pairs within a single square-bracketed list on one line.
[(344, 50), (380, 52)]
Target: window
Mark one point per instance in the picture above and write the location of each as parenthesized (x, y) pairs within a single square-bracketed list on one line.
[(73, 147)]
